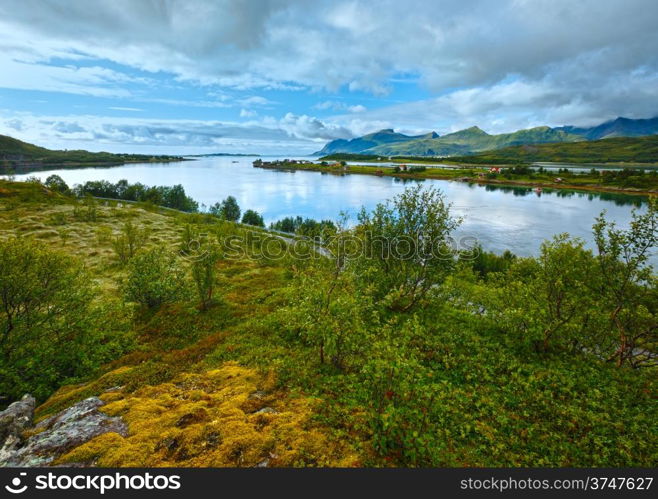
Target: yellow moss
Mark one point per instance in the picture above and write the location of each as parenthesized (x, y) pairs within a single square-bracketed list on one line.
[(90, 452), (111, 396), (209, 419), (69, 395)]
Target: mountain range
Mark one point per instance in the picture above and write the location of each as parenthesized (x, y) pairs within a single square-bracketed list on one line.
[(472, 140)]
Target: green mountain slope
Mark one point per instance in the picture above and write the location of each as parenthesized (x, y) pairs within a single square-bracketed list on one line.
[(620, 127), (473, 140), (613, 150), (15, 153), (370, 141)]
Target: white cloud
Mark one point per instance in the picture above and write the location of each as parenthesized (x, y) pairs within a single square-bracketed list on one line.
[(339, 106), (299, 133), (247, 113), (308, 127), (501, 64), (129, 109)]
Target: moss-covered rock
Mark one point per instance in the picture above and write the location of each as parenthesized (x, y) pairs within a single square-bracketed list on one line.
[(212, 419)]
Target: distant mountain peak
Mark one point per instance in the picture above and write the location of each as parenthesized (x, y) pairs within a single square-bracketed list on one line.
[(468, 132), (473, 139)]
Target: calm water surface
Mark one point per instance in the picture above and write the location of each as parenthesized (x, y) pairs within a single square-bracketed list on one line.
[(500, 218)]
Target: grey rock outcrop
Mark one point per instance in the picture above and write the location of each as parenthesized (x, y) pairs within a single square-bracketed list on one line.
[(14, 420), (53, 436)]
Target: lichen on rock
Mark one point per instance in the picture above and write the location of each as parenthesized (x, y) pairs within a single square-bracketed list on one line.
[(58, 434)]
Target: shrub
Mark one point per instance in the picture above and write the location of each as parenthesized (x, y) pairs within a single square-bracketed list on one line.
[(129, 241), (406, 247), (252, 217), (56, 183), (228, 209), (203, 272), (50, 330), (86, 212), (155, 277)]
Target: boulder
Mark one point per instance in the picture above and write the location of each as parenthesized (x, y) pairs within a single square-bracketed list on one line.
[(60, 433), (16, 419)]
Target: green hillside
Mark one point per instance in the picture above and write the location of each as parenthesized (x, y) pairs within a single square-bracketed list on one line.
[(473, 140), (370, 141), (15, 153), (462, 142), (211, 353), (613, 150)]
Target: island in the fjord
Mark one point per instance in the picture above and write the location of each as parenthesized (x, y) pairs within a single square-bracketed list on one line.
[(16, 155)]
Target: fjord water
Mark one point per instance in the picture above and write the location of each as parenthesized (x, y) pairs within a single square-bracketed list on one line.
[(499, 217)]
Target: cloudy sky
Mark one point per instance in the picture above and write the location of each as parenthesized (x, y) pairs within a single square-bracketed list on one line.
[(285, 76)]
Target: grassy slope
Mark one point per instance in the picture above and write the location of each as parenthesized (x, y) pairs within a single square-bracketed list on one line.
[(170, 424), (16, 153), (191, 390)]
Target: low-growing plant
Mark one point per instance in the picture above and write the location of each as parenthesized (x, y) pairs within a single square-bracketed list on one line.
[(131, 239)]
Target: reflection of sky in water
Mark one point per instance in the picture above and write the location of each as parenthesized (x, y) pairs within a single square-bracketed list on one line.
[(515, 219)]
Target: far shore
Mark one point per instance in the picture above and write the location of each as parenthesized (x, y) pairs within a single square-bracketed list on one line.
[(461, 175), (35, 166)]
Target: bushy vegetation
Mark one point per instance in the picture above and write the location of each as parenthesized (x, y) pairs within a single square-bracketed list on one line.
[(129, 241), (227, 209), (50, 328), (155, 277), (388, 348), (252, 217), (307, 227), (487, 361), (170, 197)]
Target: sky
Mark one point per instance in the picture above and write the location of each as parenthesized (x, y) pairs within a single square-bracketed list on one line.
[(286, 76)]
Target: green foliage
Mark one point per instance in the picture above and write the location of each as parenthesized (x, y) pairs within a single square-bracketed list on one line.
[(503, 362), (171, 197), (56, 183), (406, 250), (50, 331), (203, 266), (546, 299), (307, 227), (626, 285), (155, 277), (228, 209), (131, 239), (329, 312), (87, 211), (485, 262), (252, 217)]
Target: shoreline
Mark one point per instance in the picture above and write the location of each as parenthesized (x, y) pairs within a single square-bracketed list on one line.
[(35, 167), (470, 180)]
